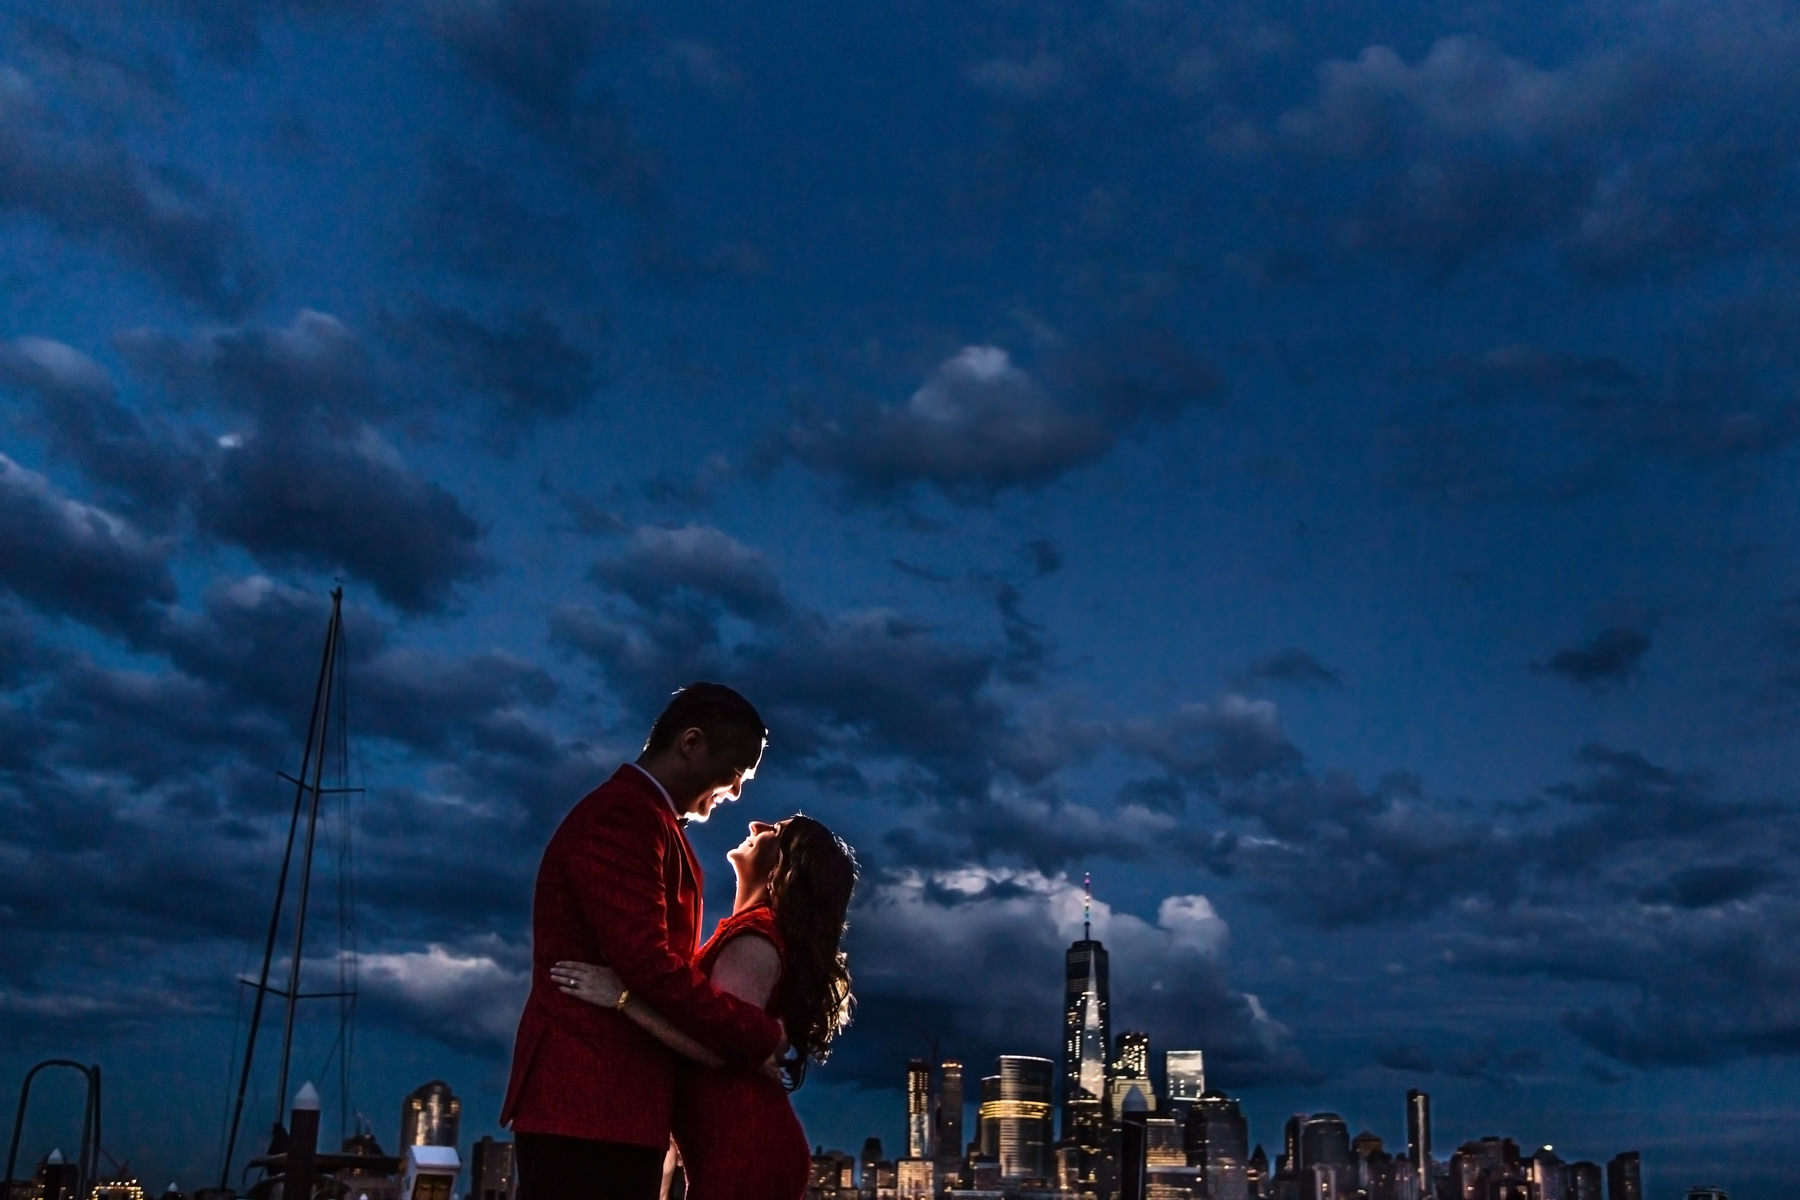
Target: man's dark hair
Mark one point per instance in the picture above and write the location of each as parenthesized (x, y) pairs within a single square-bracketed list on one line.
[(728, 720)]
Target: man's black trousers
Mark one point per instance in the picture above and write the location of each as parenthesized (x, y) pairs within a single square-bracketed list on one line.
[(566, 1168)]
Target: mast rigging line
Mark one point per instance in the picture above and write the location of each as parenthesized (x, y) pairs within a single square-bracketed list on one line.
[(330, 688)]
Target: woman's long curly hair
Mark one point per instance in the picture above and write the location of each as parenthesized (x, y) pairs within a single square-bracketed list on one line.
[(810, 893)]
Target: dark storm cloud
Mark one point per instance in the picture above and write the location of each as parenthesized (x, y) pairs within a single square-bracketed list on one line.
[(133, 461), (259, 640), (432, 702), (55, 1013), (1706, 985), (1623, 798), (522, 364), (1170, 976), (307, 481), (1409, 1057), (981, 424), (1708, 886), (149, 728), (243, 640), (1028, 651), (1294, 667), (94, 77), (1478, 132), (22, 654), (157, 786), (1047, 829), (1235, 740), (346, 504), (1087, 91), (868, 700), (1525, 421), (871, 701), (1632, 160), (127, 868), (469, 220), (66, 558), (539, 56), (1045, 555), (1705, 407), (315, 367), (870, 687), (1609, 657), (1647, 894), (1332, 853), (466, 997), (660, 563), (1492, 1063), (697, 488), (232, 30), (88, 186)]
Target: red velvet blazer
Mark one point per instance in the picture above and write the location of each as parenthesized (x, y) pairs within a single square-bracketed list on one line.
[(619, 886)]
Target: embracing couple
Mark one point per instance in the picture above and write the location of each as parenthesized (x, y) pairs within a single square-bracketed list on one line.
[(633, 1031)]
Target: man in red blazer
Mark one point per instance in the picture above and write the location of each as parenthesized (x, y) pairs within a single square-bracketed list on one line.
[(591, 1092)]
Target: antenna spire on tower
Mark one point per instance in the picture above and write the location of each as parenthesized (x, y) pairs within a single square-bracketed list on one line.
[(1087, 905)]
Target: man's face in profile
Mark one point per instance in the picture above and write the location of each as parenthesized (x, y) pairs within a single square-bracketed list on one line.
[(727, 771)]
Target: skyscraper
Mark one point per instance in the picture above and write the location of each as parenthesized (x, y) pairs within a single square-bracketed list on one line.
[(987, 1119), (1418, 1139), (1184, 1074), (1325, 1158), (493, 1171), (949, 1119), (1088, 1020), (1380, 1175), (1324, 1139), (1162, 1143), (871, 1154), (1256, 1175), (1217, 1141), (1625, 1177), (1087, 1034), (1479, 1166), (1019, 1117), (1130, 1152), (1131, 1069), (1548, 1175), (914, 1179), (1584, 1181), (918, 1109), (430, 1116), (1133, 1057)]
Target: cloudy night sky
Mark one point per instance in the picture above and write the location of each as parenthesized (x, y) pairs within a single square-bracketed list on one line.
[(1326, 469)]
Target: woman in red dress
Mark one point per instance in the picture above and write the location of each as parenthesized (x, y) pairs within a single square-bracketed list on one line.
[(780, 948)]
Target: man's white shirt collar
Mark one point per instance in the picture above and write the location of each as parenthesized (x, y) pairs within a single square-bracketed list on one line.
[(660, 789)]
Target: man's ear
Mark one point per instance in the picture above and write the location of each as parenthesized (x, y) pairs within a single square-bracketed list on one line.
[(692, 743)]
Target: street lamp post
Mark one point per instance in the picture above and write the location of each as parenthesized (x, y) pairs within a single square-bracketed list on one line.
[(87, 1160)]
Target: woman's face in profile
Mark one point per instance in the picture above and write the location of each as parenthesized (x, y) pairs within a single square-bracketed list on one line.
[(756, 857)]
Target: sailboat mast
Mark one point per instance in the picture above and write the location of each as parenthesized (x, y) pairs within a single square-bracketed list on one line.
[(323, 709), (262, 980)]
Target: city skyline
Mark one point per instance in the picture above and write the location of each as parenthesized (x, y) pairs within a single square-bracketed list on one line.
[(1030, 1118), (1325, 470), (1017, 1113)]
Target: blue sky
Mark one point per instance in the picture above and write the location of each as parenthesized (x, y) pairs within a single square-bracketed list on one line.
[(1326, 470)]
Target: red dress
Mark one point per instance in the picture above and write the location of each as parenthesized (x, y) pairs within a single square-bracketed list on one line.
[(738, 1134)]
